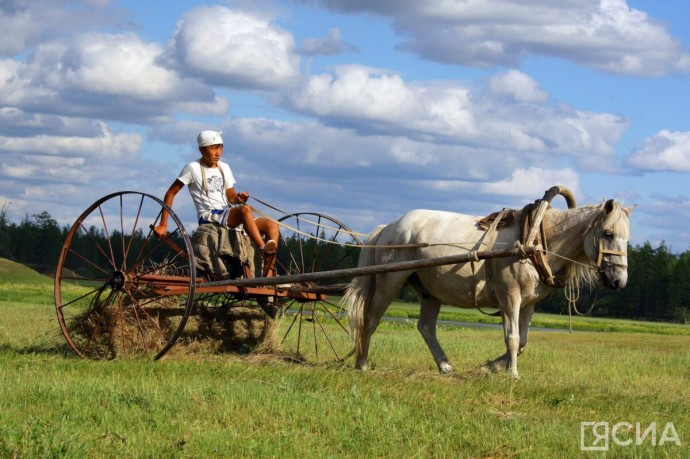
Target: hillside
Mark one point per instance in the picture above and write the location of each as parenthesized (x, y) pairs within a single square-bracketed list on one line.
[(12, 272)]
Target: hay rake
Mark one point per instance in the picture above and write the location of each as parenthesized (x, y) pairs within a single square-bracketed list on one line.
[(121, 291)]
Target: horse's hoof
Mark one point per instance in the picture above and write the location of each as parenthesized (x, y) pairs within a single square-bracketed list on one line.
[(494, 366), (487, 369), (445, 368)]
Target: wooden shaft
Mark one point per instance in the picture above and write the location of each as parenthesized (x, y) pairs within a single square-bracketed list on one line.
[(378, 269), (536, 222)]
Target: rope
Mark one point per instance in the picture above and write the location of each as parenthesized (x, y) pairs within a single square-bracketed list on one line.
[(353, 233), (460, 245), (572, 294)]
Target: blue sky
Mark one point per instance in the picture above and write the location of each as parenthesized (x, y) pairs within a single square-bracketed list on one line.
[(359, 110)]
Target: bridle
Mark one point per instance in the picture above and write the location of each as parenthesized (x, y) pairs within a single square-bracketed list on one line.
[(604, 251)]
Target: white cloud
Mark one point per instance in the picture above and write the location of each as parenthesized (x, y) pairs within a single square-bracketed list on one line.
[(27, 23), (329, 46), (104, 145), (517, 86), (381, 102), (121, 65), (65, 174), (235, 49), (533, 181), (603, 34), (360, 92), (103, 76), (664, 151), (667, 219)]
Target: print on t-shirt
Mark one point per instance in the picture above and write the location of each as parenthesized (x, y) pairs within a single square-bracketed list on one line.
[(214, 183)]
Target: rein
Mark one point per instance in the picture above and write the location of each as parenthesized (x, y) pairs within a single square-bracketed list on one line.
[(344, 231), (543, 250)]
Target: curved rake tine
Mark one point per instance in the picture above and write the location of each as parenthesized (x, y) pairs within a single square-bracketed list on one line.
[(101, 314)]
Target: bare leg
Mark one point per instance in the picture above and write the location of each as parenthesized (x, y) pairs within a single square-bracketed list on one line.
[(257, 229), (243, 215), (268, 229), (430, 308)]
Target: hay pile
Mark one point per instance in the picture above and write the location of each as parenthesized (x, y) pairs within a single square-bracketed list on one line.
[(115, 328), (228, 329)]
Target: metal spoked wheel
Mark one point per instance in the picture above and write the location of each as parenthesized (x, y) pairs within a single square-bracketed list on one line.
[(118, 289), (316, 329)]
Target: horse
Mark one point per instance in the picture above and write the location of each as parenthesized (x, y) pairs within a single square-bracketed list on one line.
[(587, 246)]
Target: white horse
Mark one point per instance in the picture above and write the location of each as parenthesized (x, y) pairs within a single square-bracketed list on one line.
[(585, 245)]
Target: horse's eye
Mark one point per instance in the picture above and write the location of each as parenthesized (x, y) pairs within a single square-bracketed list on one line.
[(608, 234)]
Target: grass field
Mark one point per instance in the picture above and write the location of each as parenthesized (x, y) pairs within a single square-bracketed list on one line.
[(223, 405)]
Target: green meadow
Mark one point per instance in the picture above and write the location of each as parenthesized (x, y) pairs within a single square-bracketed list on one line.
[(630, 377)]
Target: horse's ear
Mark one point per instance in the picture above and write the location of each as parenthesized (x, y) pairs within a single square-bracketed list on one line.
[(628, 210), (609, 206)]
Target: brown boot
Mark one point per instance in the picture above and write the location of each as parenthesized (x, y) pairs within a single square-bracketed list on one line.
[(269, 263), (269, 255)]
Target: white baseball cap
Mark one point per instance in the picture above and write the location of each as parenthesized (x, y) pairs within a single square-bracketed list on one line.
[(206, 138)]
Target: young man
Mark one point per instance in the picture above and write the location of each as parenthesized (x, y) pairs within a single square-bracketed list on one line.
[(212, 187)]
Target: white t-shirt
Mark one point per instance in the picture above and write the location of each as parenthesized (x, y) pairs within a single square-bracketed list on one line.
[(212, 197)]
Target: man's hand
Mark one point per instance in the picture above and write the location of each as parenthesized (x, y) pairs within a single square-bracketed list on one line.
[(242, 197)]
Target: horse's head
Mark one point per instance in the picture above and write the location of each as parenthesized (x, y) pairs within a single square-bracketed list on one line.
[(606, 244)]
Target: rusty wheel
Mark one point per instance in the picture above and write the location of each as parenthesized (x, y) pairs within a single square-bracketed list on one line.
[(118, 289), (315, 328)]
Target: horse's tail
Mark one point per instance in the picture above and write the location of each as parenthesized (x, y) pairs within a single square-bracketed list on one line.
[(359, 292)]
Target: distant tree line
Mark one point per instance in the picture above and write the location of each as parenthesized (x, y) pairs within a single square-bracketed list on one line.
[(658, 280)]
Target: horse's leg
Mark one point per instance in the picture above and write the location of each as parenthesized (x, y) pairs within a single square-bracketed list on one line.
[(430, 307), (505, 362), (497, 364), (525, 319), (387, 287), (511, 331)]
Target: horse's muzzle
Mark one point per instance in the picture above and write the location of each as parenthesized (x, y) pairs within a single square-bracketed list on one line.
[(613, 282)]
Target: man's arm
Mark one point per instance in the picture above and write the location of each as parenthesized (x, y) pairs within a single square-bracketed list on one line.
[(161, 230)]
